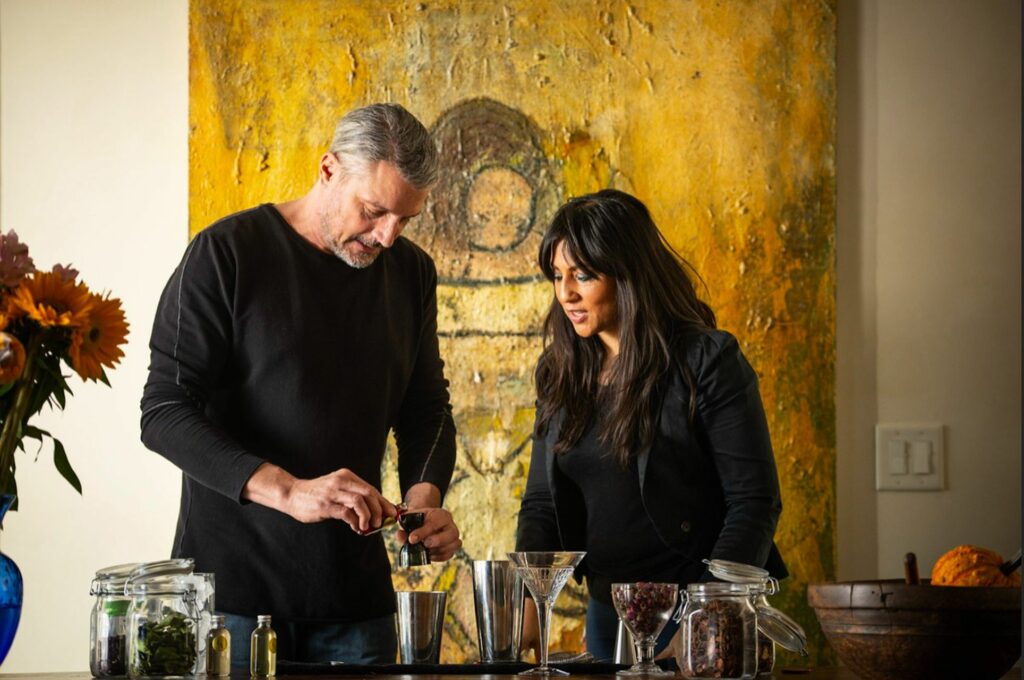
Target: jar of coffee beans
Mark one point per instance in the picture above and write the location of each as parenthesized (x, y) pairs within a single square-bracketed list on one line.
[(719, 632), (773, 626), (108, 622)]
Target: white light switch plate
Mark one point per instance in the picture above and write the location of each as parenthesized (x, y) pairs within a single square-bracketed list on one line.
[(924, 467)]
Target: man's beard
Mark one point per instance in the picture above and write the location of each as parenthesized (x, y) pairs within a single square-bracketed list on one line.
[(356, 260)]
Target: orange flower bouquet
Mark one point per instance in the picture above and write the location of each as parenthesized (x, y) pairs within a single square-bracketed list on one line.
[(47, 318)]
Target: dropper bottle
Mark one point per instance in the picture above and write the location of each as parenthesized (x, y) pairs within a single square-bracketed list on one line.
[(263, 649), (218, 649)]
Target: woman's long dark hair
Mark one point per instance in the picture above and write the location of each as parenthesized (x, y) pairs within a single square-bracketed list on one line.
[(611, 233)]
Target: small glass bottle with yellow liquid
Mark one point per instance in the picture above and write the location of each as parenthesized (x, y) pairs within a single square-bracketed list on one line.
[(218, 649), (263, 649)]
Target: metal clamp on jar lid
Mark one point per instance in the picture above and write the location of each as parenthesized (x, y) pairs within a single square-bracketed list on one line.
[(737, 572), (774, 623), (148, 570), (111, 580)]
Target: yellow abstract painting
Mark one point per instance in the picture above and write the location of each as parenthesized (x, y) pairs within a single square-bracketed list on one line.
[(719, 115)]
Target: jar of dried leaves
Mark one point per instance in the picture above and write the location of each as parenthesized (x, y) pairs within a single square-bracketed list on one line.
[(163, 626)]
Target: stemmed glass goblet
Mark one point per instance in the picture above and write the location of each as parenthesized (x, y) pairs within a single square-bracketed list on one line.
[(644, 609), (545, 574)]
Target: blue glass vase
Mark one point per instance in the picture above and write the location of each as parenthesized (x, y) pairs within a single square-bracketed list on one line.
[(11, 590)]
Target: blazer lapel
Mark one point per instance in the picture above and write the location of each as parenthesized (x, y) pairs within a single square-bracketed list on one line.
[(550, 438), (641, 466)]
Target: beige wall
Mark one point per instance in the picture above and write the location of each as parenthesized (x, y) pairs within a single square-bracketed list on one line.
[(93, 159), (93, 163), (929, 283)]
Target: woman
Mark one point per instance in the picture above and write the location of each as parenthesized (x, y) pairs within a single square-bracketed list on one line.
[(650, 448)]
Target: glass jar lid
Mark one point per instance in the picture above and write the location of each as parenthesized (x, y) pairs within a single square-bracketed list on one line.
[(783, 630), (149, 571), (770, 621), (162, 568), (717, 589), (117, 571), (736, 572), (182, 585), (111, 580)]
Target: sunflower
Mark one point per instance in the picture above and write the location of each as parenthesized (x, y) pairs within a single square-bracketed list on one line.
[(49, 299), (12, 358), (97, 343)]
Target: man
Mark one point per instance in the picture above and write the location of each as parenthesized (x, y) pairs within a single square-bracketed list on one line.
[(287, 343)]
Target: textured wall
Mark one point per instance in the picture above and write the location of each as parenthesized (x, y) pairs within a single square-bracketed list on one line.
[(719, 115)]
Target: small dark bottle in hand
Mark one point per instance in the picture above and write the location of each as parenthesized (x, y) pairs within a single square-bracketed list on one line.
[(412, 555)]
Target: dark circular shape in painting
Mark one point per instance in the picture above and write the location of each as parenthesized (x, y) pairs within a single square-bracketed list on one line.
[(496, 191)]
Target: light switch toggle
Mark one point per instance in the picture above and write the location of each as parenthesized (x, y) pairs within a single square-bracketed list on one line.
[(921, 457), (897, 457), (909, 457)]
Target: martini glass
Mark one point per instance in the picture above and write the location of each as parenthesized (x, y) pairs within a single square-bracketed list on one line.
[(644, 609), (545, 574)]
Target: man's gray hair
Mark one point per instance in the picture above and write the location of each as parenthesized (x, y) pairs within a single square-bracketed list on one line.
[(386, 132)]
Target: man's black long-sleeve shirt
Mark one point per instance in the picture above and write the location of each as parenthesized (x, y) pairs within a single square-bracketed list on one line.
[(266, 348)]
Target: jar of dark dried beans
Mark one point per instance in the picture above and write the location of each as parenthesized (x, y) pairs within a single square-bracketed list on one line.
[(719, 632), (108, 622)]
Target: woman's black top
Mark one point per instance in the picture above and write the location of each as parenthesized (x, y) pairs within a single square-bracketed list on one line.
[(708, 486), (622, 544)]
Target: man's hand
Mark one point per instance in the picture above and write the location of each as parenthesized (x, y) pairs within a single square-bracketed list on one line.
[(438, 533), (338, 495)]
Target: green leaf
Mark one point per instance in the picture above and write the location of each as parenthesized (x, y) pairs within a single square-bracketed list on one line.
[(60, 459), (58, 394), (6, 387), (103, 378), (166, 646), (35, 433)]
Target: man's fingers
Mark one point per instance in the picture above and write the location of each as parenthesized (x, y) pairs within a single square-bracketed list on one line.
[(445, 552), (358, 505), (373, 504), (346, 515), (445, 535), (347, 482), (339, 495), (445, 548), (437, 528), (388, 508), (439, 534)]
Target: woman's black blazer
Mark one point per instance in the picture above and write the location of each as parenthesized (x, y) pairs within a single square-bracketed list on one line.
[(710, 487)]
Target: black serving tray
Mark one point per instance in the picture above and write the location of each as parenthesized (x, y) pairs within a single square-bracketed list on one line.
[(510, 668)]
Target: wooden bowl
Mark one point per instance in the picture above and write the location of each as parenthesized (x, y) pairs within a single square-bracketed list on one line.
[(888, 630)]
